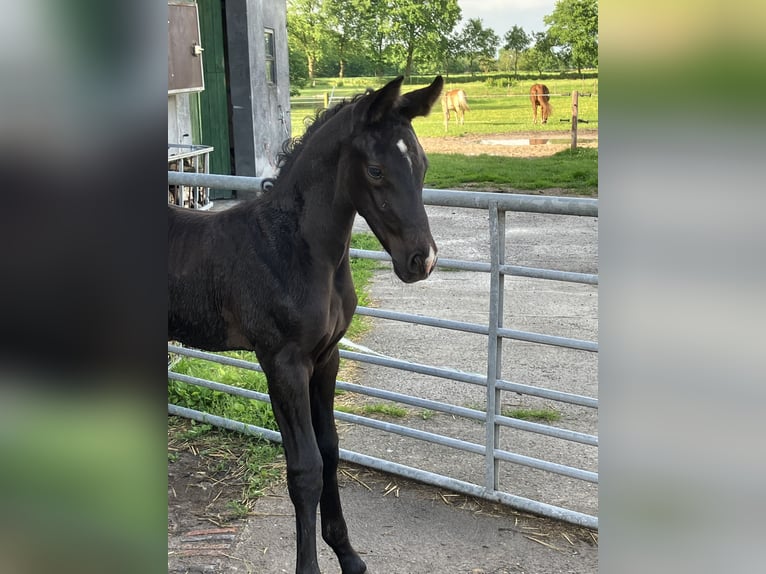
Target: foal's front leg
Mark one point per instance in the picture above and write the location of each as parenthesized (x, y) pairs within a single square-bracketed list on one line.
[(288, 378), (334, 530)]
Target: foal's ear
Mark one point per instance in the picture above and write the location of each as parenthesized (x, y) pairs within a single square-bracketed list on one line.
[(419, 102), (380, 102)]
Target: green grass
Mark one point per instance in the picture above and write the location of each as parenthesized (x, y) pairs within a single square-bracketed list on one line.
[(373, 409), (362, 271), (229, 457), (546, 415), (217, 402), (575, 171)]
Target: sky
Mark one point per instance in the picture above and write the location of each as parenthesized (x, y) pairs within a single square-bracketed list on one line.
[(502, 15)]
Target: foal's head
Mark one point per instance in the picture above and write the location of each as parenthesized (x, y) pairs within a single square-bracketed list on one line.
[(382, 169)]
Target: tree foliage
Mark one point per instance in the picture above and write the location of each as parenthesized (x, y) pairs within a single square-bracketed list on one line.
[(540, 56), (348, 21), (516, 40), (417, 26), (477, 43), (385, 37), (308, 27), (573, 27)]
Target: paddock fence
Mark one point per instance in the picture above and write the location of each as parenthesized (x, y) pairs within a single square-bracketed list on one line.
[(487, 421), (567, 104)]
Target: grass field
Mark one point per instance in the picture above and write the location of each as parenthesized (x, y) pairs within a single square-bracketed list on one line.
[(570, 172), (496, 107)]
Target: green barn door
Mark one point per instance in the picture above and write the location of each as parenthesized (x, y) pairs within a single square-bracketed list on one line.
[(213, 112)]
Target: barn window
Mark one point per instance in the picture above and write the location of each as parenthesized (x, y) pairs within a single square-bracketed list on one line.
[(271, 66)]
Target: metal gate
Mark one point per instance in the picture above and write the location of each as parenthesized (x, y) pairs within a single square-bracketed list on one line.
[(493, 384)]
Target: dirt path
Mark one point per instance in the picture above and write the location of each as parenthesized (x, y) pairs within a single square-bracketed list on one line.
[(540, 143)]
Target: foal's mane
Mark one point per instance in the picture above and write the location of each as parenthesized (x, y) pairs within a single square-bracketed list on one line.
[(292, 148)]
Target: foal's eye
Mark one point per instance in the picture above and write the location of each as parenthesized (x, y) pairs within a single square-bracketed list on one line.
[(374, 171)]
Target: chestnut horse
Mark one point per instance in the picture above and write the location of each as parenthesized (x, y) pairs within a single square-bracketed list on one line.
[(454, 100), (539, 96)]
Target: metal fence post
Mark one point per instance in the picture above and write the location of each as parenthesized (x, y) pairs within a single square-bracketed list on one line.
[(494, 341)]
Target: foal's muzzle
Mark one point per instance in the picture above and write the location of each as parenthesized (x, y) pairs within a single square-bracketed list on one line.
[(420, 265)]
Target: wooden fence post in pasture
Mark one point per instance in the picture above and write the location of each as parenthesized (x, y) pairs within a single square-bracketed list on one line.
[(326, 100), (575, 100)]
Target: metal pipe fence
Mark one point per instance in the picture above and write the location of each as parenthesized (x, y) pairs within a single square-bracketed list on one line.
[(491, 380)]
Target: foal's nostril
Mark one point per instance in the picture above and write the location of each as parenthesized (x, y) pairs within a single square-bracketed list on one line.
[(420, 264), (416, 263)]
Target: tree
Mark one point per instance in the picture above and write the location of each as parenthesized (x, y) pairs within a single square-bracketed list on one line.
[(298, 71), (347, 20), (516, 40), (419, 25), (477, 43), (573, 26), (307, 27), (375, 34), (540, 56)]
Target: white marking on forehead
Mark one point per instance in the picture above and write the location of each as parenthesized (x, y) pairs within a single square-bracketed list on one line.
[(405, 151)]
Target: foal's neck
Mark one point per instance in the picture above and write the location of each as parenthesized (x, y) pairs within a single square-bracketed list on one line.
[(325, 212)]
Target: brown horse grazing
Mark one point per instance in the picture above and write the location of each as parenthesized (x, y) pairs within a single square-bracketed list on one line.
[(273, 275), (539, 96), (454, 100)]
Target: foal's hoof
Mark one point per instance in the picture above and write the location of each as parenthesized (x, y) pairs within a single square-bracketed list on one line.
[(353, 565)]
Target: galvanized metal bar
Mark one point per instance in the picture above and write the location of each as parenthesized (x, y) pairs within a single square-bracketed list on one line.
[(547, 430), (491, 468), (214, 357), (247, 393), (423, 320), (512, 202), (543, 393), (480, 266), (548, 466), (215, 180), (497, 221), (225, 423), (552, 340), (444, 197), (427, 404), (411, 432), (195, 200), (443, 372), (551, 274)]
